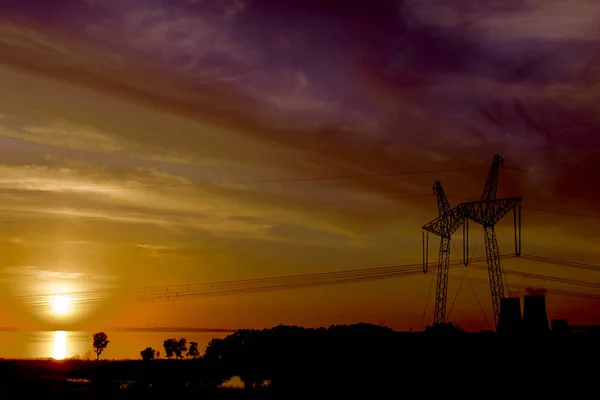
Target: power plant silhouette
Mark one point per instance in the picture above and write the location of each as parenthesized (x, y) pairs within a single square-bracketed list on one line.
[(533, 320)]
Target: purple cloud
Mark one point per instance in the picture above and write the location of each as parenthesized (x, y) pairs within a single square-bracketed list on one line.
[(371, 87)]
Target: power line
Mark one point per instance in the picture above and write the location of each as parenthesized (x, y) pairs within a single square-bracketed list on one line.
[(542, 210), (427, 301), (260, 287), (332, 277), (256, 182), (549, 290), (291, 180), (543, 277), (487, 321), (311, 275), (563, 213), (328, 279), (265, 181), (301, 284), (216, 210), (282, 180), (335, 277), (257, 282), (529, 171), (280, 286), (185, 291), (555, 261), (462, 281)]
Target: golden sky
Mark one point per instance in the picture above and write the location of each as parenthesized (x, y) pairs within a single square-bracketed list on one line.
[(127, 133)]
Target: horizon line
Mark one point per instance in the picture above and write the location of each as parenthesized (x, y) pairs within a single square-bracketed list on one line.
[(169, 329), (129, 329)]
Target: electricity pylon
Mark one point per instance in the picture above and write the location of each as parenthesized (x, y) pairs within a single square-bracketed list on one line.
[(487, 211), (447, 222)]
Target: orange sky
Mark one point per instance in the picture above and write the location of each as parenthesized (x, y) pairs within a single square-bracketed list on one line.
[(105, 118)]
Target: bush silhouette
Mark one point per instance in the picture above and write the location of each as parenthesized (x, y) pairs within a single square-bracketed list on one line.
[(148, 354)]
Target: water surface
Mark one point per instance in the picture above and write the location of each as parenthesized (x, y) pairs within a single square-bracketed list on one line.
[(67, 344)]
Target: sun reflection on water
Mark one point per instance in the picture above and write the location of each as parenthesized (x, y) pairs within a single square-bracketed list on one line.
[(59, 345)]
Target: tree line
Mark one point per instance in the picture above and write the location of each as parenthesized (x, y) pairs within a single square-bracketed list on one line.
[(291, 358), (277, 355), (245, 340), (177, 348)]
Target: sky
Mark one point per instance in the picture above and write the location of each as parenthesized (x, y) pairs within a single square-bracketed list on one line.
[(156, 142)]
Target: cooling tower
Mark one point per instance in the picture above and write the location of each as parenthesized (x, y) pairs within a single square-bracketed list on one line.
[(510, 321), (535, 318)]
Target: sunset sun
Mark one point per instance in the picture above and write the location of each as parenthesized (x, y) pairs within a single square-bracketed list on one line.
[(61, 305)]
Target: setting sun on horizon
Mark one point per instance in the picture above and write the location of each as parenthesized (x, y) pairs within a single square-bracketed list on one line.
[(61, 305)]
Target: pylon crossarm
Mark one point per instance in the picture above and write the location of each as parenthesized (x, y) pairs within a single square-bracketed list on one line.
[(489, 212), (501, 208), (447, 224)]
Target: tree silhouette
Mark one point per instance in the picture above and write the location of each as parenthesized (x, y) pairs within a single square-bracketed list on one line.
[(180, 347), (175, 347), (100, 342), (169, 345), (148, 354), (215, 349), (193, 351)]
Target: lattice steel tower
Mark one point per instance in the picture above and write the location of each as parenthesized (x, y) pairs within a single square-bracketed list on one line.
[(488, 211), (447, 222)]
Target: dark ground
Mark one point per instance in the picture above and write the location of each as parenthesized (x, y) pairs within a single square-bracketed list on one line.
[(455, 366)]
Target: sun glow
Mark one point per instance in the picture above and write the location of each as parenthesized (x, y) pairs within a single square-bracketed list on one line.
[(61, 305), (59, 344)]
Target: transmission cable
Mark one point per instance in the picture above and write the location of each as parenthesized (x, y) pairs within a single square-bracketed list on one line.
[(165, 288), (306, 280), (555, 261), (254, 182), (216, 210), (427, 300), (526, 207), (260, 283), (461, 282), (281, 180), (549, 290), (543, 277)]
